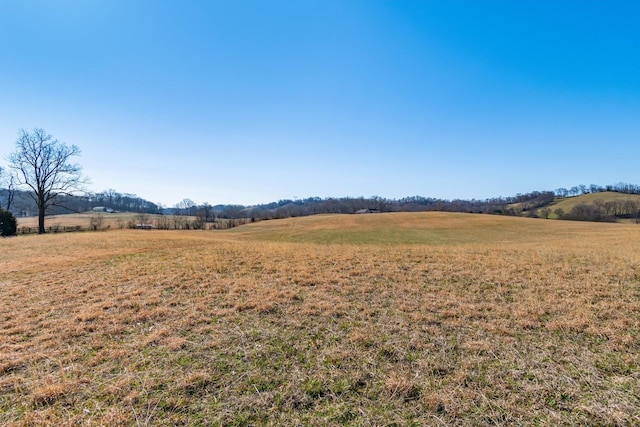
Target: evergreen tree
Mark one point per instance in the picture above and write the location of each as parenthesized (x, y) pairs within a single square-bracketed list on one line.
[(8, 223)]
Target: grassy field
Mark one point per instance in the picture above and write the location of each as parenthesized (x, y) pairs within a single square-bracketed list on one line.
[(108, 221), (83, 220), (364, 320)]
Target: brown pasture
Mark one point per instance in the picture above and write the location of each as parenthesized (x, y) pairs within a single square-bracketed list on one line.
[(385, 319)]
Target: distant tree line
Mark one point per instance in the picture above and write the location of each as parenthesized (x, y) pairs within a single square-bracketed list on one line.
[(43, 180), (24, 205), (348, 205), (578, 190), (600, 210), (187, 214), (124, 202), (603, 211)]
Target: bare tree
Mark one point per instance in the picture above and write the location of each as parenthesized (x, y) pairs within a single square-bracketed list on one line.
[(163, 222), (630, 208), (207, 212), (8, 180), (96, 220), (144, 220), (186, 207), (181, 213), (562, 192), (204, 214), (42, 163), (610, 207), (545, 212), (121, 223), (11, 192), (179, 221)]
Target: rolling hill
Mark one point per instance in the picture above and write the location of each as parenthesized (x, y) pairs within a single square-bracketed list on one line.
[(382, 319), (618, 205)]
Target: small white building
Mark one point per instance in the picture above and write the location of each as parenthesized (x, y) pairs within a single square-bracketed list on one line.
[(102, 209)]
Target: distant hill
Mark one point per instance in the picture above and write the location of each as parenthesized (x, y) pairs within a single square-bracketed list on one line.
[(608, 205), (568, 203), (24, 205), (589, 203)]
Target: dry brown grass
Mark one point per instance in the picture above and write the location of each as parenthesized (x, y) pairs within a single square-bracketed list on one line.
[(478, 320), (83, 221), (569, 203)]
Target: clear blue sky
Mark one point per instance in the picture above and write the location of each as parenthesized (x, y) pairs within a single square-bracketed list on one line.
[(253, 101)]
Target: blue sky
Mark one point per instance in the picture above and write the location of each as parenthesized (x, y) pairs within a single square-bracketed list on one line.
[(253, 101)]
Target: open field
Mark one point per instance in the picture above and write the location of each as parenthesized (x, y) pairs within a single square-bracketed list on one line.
[(365, 320), (83, 220), (119, 220)]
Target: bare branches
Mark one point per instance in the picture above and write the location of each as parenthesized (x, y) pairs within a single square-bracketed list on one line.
[(7, 180), (43, 164)]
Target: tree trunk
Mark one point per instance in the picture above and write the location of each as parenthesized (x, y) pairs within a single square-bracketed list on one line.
[(41, 209), (40, 219)]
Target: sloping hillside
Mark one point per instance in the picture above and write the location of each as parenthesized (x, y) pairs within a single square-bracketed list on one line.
[(610, 201), (432, 228)]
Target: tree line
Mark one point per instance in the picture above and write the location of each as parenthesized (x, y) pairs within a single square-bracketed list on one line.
[(599, 211), (42, 179), (349, 205), (24, 205), (578, 190)]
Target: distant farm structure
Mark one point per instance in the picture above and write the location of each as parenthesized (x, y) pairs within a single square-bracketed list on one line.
[(103, 209)]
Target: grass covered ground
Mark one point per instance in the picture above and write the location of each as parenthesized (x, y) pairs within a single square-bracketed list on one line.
[(83, 220), (385, 319), (568, 203)]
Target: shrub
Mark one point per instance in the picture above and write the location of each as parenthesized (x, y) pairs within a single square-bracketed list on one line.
[(8, 223)]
